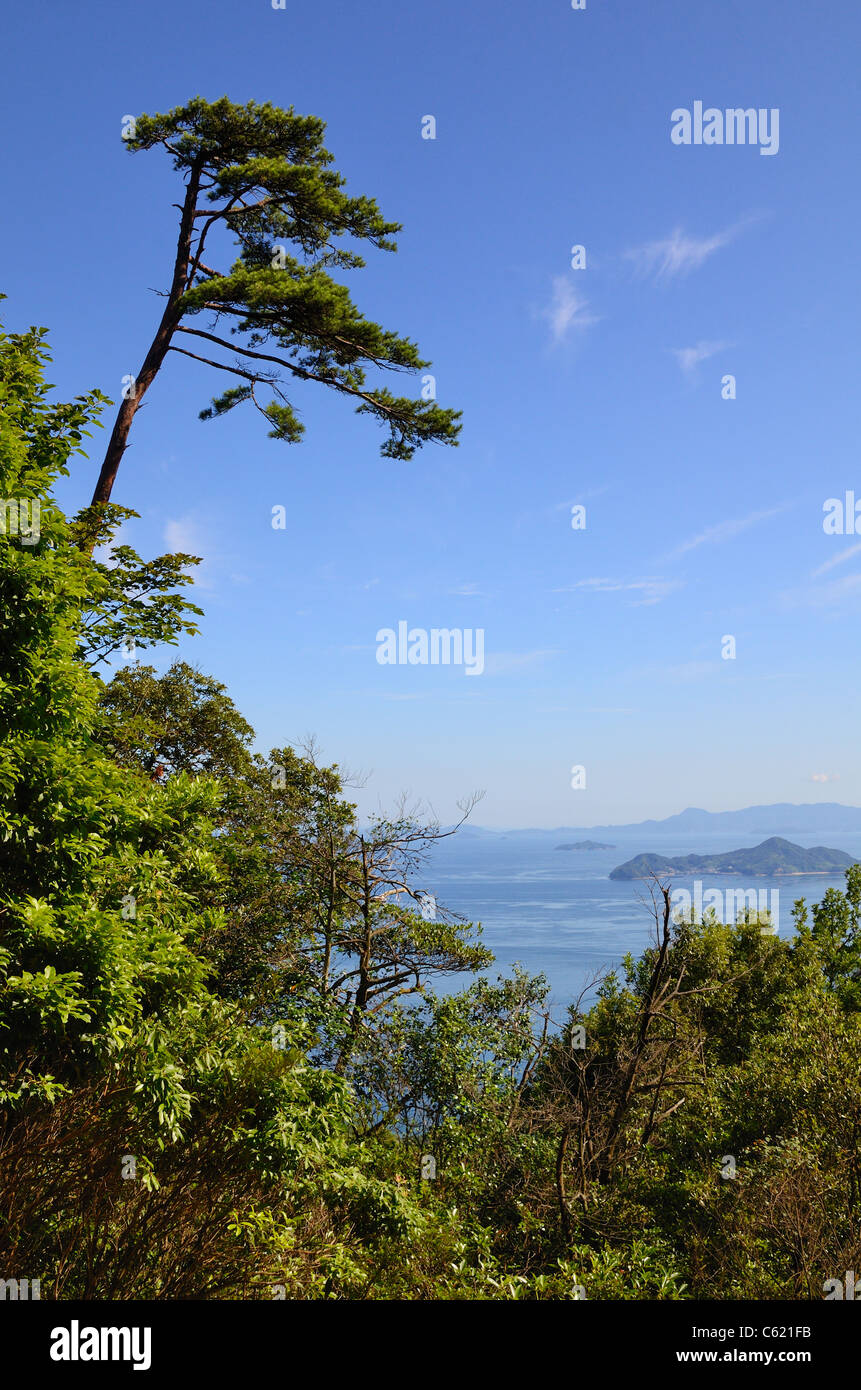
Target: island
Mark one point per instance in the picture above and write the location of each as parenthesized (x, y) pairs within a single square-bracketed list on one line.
[(586, 844), (772, 858)]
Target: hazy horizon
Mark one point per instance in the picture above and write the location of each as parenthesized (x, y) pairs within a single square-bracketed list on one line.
[(474, 824)]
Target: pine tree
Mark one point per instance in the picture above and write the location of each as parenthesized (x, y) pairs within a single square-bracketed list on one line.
[(262, 175)]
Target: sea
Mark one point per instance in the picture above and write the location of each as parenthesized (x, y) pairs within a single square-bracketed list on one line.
[(557, 912)]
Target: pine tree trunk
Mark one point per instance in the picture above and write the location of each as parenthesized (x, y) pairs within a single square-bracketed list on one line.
[(118, 441)]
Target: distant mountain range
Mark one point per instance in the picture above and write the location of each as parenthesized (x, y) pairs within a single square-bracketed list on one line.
[(770, 859), (782, 818)]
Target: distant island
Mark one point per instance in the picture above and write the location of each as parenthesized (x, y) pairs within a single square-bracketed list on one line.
[(586, 844), (771, 858)]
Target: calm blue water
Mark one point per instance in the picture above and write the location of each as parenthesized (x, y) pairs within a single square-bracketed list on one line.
[(558, 913)]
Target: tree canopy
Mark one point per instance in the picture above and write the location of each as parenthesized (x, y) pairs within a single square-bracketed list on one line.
[(225, 1071), (261, 177)]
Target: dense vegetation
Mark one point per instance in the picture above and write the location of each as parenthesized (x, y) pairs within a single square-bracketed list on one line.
[(224, 1071)]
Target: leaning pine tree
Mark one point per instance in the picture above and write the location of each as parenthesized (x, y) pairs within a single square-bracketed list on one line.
[(262, 175)]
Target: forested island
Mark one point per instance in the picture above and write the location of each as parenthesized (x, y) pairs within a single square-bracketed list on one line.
[(773, 857), (585, 845)]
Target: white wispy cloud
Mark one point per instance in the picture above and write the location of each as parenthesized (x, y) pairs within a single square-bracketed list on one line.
[(183, 535), (567, 311), (467, 591), (679, 253), (725, 531), (689, 358), (186, 534), (825, 777), (837, 560), (651, 590), (836, 591)]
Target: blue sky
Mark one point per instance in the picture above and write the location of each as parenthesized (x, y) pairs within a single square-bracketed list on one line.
[(601, 386)]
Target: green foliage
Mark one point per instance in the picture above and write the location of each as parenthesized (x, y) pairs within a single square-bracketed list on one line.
[(834, 938), (260, 177), (212, 976), (138, 607), (182, 721), (111, 1040)]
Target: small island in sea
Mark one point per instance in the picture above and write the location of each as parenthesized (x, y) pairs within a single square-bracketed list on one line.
[(768, 860), (586, 844)]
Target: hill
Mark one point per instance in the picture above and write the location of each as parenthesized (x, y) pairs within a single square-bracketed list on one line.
[(771, 858), (586, 844)]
